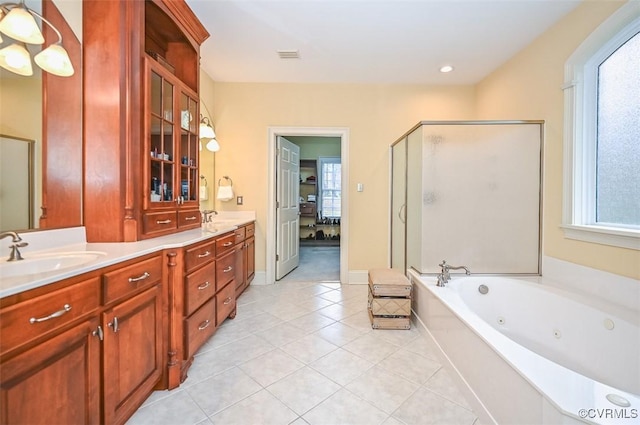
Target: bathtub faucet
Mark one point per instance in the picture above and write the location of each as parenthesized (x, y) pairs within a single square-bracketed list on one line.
[(444, 275)]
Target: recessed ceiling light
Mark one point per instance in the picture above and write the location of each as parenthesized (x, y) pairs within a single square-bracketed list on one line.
[(446, 68), (288, 54)]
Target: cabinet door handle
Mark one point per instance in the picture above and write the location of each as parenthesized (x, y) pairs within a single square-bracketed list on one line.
[(227, 301), (228, 269), (143, 276), (190, 218), (99, 333), (167, 221), (114, 325), (204, 254), (204, 325), (58, 313), (203, 286), (227, 244)]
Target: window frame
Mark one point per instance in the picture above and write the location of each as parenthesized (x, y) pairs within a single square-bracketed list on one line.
[(580, 124), (327, 160)]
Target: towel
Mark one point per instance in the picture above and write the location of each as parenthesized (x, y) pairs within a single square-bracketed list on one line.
[(204, 193), (225, 193)]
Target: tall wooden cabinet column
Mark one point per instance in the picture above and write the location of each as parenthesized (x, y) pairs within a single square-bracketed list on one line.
[(119, 36)]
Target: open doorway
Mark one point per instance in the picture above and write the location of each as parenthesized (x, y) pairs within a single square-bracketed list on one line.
[(322, 230), (320, 209)]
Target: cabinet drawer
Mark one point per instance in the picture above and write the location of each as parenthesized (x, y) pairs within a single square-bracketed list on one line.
[(33, 318), (225, 243), (188, 219), (250, 230), (225, 302), (240, 234), (200, 254), (199, 327), (158, 222), (200, 286), (126, 280), (225, 269)]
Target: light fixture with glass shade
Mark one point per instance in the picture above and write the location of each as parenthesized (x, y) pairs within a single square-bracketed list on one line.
[(18, 22), (207, 134)]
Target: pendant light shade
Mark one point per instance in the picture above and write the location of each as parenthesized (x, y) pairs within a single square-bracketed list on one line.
[(55, 60), (20, 25), (15, 58)]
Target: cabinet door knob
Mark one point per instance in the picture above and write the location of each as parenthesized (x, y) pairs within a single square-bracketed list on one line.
[(143, 276), (228, 269), (114, 325), (99, 333), (227, 301), (227, 244), (53, 315), (163, 221), (203, 286), (204, 254), (190, 218)]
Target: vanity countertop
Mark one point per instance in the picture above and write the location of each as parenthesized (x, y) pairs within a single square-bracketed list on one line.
[(73, 241)]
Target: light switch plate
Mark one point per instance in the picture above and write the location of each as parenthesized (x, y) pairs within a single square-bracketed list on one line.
[(239, 200)]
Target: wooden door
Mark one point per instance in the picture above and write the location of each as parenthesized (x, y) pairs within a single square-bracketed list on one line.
[(288, 208), (57, 381), (250, 259), (132, 354), (241, 276)]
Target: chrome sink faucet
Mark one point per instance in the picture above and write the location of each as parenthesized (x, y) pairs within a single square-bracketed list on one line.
[(17, 243), (207, 215), (444, 276)]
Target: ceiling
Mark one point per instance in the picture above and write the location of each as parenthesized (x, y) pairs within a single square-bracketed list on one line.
[(368, 41)]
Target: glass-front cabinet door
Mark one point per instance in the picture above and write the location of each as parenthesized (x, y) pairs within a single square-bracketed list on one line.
[(161, 140), (189, 149), (170, 177)]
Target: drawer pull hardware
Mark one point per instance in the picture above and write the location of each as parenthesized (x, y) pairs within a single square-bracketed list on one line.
[(204, 325), (99, 333), (227, 301), (203, 285), (114, 325), (227, 244), (193, 217), (167, 221), (205, 254), (58, 313), (228, 269), (143, 276)]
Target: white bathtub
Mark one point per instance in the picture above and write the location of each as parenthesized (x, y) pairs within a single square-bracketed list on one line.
[(530, 353)]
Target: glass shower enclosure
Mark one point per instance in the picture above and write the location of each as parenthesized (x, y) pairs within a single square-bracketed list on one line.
[(470, 193)]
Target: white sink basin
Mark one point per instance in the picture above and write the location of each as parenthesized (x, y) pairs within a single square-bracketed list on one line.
[(47, 263)]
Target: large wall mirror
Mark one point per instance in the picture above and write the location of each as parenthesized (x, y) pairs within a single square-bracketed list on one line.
[(46, 110)]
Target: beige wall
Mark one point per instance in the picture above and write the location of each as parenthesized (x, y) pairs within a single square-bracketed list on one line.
[(529, 87), (526, 87), (376, 116)]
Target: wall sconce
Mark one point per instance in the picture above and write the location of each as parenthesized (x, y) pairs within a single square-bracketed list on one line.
[(207, 133), (18, 22)]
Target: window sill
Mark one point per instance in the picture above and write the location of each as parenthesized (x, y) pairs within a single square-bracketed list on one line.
[(623, 238)]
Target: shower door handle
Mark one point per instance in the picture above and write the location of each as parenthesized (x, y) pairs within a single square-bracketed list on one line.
[(402, 213)]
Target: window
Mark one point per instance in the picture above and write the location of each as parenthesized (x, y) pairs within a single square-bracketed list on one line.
[(602, 134), (330, 189)]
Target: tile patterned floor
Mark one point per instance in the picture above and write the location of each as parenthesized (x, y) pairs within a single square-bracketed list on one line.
[(304, 353)]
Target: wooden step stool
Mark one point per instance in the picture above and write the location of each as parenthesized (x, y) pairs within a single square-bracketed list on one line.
[(389, 299)]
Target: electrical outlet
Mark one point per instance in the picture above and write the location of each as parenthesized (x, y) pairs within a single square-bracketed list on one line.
[(239, 200)]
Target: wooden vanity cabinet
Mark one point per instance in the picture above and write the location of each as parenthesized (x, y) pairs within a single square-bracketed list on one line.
[(245, 257), (133, 335), (87, 349), (49, 356), (126, 43)]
